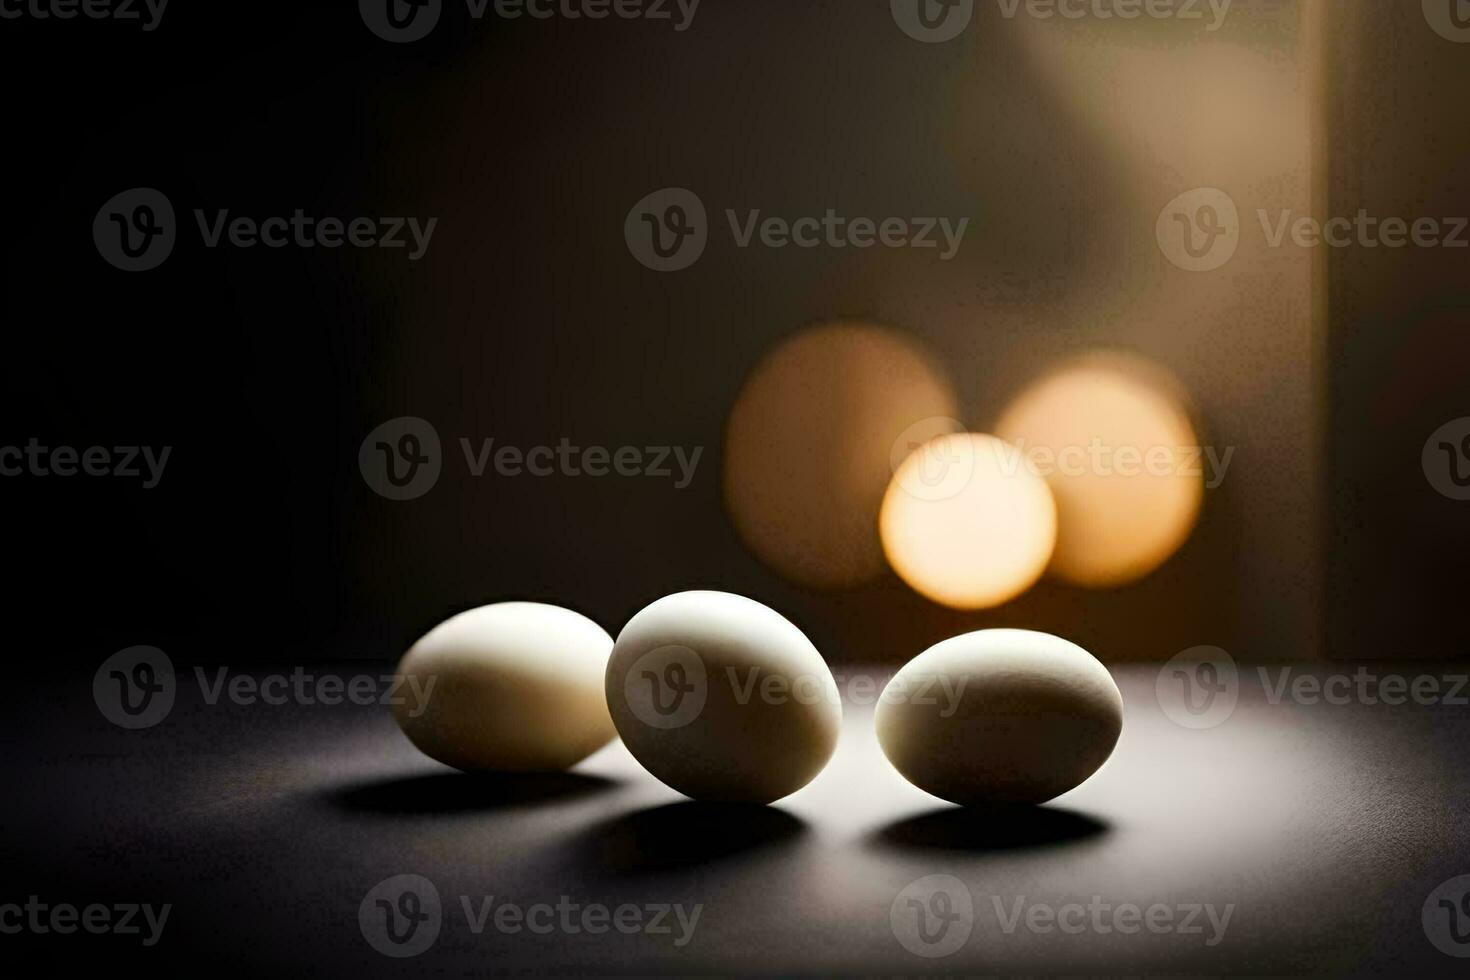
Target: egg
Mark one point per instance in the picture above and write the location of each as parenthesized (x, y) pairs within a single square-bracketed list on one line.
[(722, 698), (510, 687), (1000, 717)]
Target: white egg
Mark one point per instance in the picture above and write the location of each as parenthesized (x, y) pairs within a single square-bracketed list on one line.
[(516, 687), (723, 698), (1000, 716)]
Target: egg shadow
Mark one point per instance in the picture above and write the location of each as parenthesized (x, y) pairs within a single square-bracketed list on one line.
[(977, 829), (457, 792), (684, 835)]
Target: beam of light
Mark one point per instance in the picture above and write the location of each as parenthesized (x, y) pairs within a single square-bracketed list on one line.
[(1113, 437), (807, 448), (967, 522)]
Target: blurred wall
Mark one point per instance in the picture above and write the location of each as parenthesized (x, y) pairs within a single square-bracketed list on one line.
[(528, 321), (1061, 141)]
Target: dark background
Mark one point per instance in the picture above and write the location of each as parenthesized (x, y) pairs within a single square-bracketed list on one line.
[(529, 321)]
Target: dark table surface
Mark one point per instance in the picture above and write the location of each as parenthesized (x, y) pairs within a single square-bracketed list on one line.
[(1321, 829)]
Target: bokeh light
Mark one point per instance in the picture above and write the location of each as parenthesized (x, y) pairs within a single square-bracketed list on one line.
[(968, 522), (1113, 437), (808, 444)]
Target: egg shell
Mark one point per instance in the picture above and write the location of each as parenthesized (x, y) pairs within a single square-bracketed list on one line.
[(722, 698), (517, 687), (1000, 717)]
